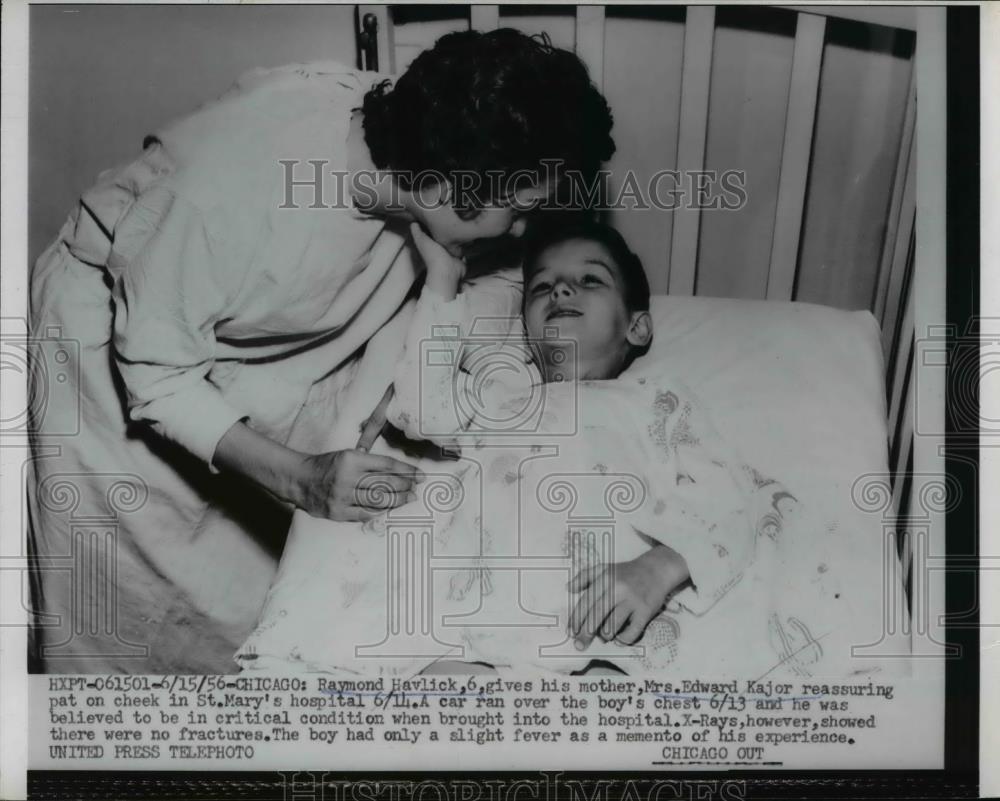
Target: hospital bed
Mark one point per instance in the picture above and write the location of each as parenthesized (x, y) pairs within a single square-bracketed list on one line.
[(818, 105)]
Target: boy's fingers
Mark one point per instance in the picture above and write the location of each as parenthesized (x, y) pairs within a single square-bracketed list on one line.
[(424, 241), (614, 622), (430, 250), (386, 397), (583, 578), (587, 584), (633, 631), (580, 611), (370, 432), (421, 241), (596, 613), (373, 426)]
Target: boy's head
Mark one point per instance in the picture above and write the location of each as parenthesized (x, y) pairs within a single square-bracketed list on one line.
[(483, 111), (586, 302)]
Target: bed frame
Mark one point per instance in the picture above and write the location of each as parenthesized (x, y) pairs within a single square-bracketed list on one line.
[(892, 300)]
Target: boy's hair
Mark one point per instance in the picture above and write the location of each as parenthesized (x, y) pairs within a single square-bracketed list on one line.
[(496, 102), (628, 265)]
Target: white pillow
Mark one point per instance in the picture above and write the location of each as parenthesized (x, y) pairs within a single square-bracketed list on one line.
[(796, 389)]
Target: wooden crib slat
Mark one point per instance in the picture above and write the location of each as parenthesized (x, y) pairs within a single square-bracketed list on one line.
[(484, 17), (795, 155), (699, 34), (899, 16), (590, 41), (900, 219)]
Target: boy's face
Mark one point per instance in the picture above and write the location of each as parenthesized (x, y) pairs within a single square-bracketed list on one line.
[(576, 293)]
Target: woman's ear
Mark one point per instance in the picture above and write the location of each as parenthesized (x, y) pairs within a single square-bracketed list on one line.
[(640, 329)]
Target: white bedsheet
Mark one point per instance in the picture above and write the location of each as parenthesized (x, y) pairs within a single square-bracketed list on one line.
[(795, 389)]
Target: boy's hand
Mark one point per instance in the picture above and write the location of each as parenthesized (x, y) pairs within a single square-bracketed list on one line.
[(618, 600), (373, 427), (444, 271)]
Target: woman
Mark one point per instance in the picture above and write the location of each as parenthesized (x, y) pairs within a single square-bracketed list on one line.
[(219, 289)]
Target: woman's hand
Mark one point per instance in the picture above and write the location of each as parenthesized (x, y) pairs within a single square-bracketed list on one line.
[(444, 271), (340, 485), (618, 600), (354, 485)]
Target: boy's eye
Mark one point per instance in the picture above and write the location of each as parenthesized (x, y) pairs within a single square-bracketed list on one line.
[(591, 279), (540, 288)]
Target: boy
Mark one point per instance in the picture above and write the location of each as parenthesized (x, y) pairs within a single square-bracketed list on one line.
[(679, 557), (586, 317)]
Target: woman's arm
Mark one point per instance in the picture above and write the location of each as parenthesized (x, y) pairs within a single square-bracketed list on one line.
[(340, 485), (177, 276)]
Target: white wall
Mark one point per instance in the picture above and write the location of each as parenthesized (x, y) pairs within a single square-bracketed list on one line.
[(751, 73), (859, 122), (102, 77)]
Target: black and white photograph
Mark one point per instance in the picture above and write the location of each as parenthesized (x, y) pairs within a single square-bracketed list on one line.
[(481, 388)]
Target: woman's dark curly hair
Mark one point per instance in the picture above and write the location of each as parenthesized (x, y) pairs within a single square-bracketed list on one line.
[(495, 102)]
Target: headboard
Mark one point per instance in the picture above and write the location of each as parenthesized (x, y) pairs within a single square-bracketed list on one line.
[(816, 104)]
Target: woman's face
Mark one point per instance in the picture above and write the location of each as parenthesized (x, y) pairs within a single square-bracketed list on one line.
[(457, 230)]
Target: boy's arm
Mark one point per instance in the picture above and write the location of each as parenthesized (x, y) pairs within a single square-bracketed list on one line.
[(444, 271), (420, 402), (704, 558), (428, 379), (702, 509), (618, 600), (697, 522)]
